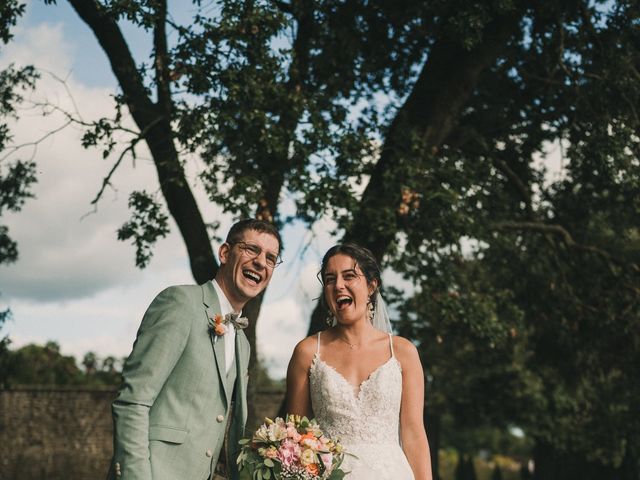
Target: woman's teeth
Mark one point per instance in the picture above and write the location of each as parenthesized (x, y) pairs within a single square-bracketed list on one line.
[(344, 300)]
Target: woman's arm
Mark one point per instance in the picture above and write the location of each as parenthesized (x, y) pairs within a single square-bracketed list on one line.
[(298, 395), (412, 433)]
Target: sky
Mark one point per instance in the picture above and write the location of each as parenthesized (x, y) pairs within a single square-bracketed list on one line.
[(74, 282)]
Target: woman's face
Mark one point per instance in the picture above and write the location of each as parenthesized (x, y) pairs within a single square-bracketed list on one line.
[(346, 289)]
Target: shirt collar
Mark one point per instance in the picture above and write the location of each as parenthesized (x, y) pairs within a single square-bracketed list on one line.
[(225, 304)]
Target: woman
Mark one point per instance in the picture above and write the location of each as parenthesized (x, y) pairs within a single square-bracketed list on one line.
[(362, 384)]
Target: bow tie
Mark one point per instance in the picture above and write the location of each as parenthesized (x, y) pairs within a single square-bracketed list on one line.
[(236, 320)]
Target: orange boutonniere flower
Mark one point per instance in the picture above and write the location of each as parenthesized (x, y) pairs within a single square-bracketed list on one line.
[(216, 325)]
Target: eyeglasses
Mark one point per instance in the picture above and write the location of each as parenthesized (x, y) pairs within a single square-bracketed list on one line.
[(251, 250)]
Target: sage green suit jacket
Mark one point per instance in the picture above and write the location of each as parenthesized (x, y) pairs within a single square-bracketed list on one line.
[(170, 414)]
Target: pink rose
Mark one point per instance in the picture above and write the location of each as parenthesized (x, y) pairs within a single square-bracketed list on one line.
[(288, 453)]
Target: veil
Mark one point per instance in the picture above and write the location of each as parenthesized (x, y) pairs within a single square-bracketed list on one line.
[(380, 318)]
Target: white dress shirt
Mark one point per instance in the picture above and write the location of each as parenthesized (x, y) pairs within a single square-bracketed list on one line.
[(230, 334)]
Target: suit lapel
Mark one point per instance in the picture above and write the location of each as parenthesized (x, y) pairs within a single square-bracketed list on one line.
[(212, 307)]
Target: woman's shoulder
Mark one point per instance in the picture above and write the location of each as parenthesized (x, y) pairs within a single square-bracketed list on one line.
[(404, 349), (306, 347), (402, 343)]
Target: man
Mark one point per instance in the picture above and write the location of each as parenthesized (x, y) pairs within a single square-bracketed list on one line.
[(188, 367)]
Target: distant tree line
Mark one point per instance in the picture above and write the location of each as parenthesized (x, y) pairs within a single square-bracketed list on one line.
[(45, 365)]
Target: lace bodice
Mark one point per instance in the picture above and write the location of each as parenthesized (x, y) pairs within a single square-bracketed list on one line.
[(368, 414)]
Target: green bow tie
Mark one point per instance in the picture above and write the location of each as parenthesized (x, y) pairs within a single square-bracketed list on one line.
[(236, 320)]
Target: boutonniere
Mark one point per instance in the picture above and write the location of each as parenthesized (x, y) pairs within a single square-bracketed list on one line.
[(217, 326)]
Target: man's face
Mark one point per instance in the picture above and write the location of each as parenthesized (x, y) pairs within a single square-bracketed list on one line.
[(244, 272)]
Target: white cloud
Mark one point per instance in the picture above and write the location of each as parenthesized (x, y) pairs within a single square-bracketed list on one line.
[(43, 45), (65, 253)]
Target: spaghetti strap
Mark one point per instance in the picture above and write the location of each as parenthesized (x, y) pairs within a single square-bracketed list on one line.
[(318, 350), (390, 343)]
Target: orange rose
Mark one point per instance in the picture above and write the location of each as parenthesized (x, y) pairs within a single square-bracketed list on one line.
[(309, 436), (312, 468)]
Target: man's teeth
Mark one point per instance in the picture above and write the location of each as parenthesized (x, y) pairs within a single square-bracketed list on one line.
[(251, 275)]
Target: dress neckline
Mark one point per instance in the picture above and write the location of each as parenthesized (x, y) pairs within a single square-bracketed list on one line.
[(357, 389)]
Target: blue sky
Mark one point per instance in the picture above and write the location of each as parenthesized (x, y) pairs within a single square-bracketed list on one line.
[(74, 282)]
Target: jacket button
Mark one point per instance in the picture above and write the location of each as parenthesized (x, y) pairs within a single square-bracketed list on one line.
[(220, 418), (209, 453)]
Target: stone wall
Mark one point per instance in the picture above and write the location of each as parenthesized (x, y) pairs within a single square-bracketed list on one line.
[(51, 434)]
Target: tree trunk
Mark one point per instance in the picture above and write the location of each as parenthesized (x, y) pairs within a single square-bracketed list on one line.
[(429, 113), (154, 122), (251, 310)]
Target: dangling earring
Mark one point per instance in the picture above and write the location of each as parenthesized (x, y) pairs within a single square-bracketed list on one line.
[(370, 310), (331, 320)]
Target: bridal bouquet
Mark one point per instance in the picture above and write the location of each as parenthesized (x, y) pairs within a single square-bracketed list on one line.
[(294, 448)]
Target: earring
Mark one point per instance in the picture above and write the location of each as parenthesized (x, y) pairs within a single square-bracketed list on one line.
[(331, 320), (370, 310)]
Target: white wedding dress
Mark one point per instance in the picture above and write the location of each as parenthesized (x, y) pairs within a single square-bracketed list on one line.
[(365, 419)]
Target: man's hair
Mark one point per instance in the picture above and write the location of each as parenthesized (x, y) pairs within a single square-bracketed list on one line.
[(236, 231)]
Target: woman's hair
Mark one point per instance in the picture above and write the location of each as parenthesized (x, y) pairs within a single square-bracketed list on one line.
[(363, 258)]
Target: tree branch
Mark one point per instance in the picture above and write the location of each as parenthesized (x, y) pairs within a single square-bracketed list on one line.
[(107, 180), (283, 6), (155, 121), (428, 115), (517, 182), (14, 148), (566, 237), (161, 63)]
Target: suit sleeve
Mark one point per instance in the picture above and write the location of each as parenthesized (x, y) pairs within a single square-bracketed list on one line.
[(161, 340)]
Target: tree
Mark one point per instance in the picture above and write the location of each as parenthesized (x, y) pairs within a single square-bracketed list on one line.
[(17, 176), (90, 363), (519, 322), (43, 365)]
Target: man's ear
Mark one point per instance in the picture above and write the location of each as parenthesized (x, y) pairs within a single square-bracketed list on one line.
[(223, 252)]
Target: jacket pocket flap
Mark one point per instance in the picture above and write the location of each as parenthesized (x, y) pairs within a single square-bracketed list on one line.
[(167, 434)]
